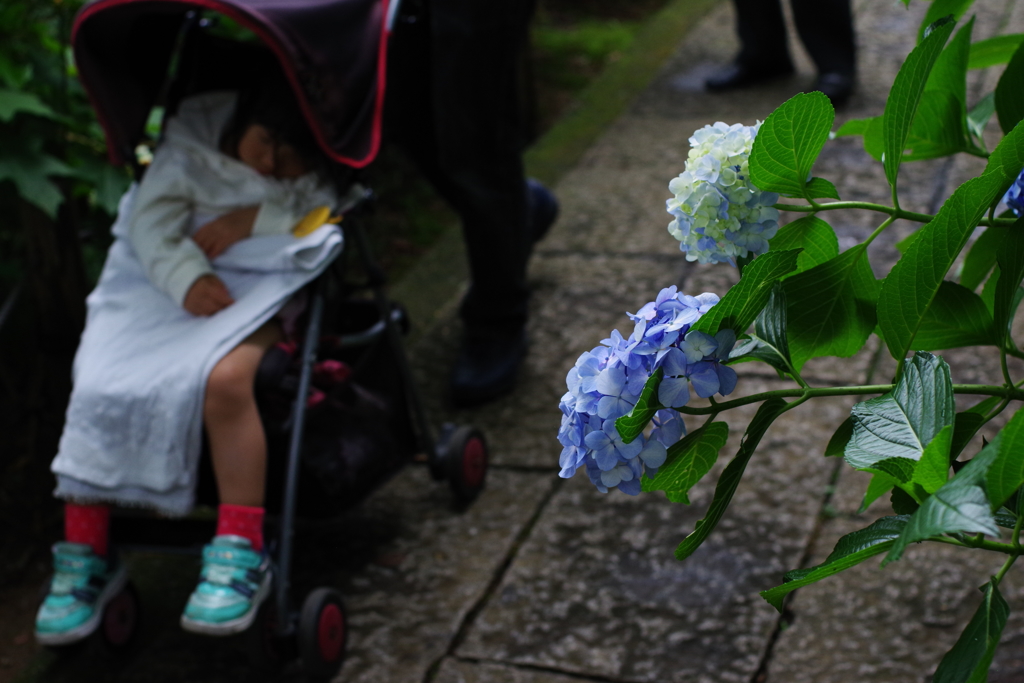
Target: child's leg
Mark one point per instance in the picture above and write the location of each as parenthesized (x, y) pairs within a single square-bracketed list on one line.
[(88, 525), (236, 575), (238, 445), (85, 578)]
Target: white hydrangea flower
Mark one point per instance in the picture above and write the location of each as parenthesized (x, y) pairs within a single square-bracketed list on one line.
[(719, 215)]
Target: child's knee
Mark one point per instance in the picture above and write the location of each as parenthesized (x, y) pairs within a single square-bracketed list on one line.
[(229, 387)]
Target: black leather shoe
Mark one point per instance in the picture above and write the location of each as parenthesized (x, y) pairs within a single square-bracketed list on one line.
[(837, 87), (486, 366), (542, 209), (739, 75)]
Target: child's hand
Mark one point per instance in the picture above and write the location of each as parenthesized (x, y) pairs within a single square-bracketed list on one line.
[(220, 233), (207, 296)]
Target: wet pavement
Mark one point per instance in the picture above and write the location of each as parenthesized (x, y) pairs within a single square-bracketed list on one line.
[(548, 581)]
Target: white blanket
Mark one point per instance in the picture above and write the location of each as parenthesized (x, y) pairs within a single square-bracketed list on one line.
[(133, 432)]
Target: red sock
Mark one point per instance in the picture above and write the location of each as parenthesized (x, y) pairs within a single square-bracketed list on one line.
[(240, 520), (88, 524)]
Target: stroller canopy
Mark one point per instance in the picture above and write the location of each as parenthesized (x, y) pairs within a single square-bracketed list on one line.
[(331, 51)]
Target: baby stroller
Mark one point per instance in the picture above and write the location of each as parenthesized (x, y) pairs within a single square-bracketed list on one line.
[(341, 411)]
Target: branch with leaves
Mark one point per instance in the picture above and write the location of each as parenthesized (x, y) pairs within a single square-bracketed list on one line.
[(799, 298)]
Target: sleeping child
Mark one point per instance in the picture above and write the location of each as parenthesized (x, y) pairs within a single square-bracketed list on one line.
[(200, 281)]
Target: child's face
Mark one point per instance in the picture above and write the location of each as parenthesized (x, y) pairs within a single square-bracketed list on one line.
[(259, 150)]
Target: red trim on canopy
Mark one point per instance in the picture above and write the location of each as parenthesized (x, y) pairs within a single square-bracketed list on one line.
[(269, 35)]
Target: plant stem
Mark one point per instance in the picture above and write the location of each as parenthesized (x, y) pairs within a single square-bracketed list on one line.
[(1009, 393), (994, 546), (1016, 544), (878, 231), (1006, 567), (1006, 369), (895, 213)]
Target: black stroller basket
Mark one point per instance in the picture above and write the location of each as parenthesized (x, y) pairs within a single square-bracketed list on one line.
[(341, 407)]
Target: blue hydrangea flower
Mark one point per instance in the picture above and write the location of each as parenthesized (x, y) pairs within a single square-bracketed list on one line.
[(718, 215), (606, 382), (1014, 197)]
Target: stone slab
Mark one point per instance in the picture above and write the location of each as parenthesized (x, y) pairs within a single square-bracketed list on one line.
[(407, 605), (888, 625), (459, 671), (595, 591)]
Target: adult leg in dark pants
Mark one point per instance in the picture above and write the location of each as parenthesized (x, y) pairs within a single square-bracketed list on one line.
[(825, 28), (453, 106)]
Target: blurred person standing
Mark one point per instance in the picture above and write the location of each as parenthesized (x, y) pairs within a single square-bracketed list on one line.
[(454, 107), (825, 28)]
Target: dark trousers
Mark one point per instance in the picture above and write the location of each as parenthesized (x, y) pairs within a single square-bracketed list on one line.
[(453, 107), (825, 28)]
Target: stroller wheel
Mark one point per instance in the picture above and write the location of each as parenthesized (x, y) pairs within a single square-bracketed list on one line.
[(322, 634), (466, 459), (121, 619)]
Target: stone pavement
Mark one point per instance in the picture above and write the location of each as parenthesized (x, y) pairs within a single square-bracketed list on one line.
[(548, 581)]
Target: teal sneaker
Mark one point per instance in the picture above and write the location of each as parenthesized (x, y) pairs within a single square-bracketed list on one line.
[(82, 585), (233, 583)]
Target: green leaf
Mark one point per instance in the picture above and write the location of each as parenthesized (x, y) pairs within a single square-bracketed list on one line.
[(1010, 260), (942, 8), (998, 50), (932, 471), (688, 461), (939, 130), (874, 139), (1006, 474), (855, 126), (905, 95), (971, 657), (819, 188), (1005, 518), (816, 237), (899, 469), (958, 507), (940, 125), (1009, 94), (905, 243), (14, 75), (957, 317), (981, 257), (851, 550), (901, 423), (745, 300), (841, 437), (632, 424), (730, 479), (949, 75), (903, 503), (831, 307), (1006, 160), (871, 130), (30, 169), (988, 292), (880, 484), (914, 281), (968, 423), (770, 325), (109, 182), (754, 349), (15, 101), (789, 142), (979, 115)]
